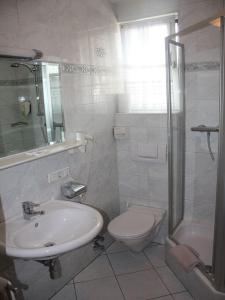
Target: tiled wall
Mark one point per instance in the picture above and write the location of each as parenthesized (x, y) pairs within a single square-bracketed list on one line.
[(143, 180), (84, 33), (194, 11), (202, 54), (81, 32)]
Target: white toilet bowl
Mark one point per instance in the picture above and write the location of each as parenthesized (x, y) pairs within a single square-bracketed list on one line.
[(137, 227)]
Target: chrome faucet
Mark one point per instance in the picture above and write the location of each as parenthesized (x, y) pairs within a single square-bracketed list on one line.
[(28, 210)]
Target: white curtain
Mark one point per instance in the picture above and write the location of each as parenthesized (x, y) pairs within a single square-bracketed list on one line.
[(143, 45)]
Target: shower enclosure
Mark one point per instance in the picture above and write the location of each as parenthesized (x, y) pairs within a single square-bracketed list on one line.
[(196, 152)]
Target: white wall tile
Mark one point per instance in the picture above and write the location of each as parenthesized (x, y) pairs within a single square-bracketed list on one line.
[(63, 30), (202, 107)]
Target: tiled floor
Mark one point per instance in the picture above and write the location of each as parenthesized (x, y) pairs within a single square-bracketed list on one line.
[(119, 274)]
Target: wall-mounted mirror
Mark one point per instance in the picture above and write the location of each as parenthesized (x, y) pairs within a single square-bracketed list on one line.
[(30, 105)]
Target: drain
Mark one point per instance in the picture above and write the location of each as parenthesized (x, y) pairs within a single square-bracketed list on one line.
[(49, 244)]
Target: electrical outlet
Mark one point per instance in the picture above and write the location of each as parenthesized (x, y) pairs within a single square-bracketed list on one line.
[(59, 174)]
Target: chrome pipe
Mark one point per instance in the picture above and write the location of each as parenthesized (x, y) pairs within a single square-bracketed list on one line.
[(203, 128)]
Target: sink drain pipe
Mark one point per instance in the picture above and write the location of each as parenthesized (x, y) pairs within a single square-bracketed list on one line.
[(54, 266)]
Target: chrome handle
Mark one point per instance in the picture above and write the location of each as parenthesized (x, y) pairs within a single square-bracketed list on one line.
[(35, 204), (203, 128), (30, 204), (13, 289), (28, 210), (28, 207), (9, 288)]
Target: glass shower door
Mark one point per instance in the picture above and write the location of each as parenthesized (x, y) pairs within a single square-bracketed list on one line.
[(176, 132)]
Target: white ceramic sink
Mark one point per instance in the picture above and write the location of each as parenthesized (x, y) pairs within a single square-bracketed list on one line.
[(64, 226)]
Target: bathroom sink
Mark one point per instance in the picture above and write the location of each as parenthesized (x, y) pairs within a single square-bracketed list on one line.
[(64, 226)]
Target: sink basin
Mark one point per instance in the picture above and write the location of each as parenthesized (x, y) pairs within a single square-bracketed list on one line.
[(64, 226)]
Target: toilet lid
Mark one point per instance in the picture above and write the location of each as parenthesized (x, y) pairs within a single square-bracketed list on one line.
[(131, 224)]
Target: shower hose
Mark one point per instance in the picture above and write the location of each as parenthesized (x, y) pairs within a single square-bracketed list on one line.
[(209, 146)]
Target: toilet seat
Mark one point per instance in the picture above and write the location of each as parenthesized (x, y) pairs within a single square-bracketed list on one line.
[(131, 224)]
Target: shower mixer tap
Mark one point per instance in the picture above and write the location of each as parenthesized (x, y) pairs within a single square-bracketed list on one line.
[(204, 128), (208, 130)]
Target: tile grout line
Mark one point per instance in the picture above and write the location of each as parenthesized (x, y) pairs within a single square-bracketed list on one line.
[(120, 251), (115, 277), (97, 278), (155, 269), (185, 290), (75, 292), (73, 282), (102, 253), (114, 274), (121, 274), (67, 284), (98, 255), (182, 293), (158, 298), (149, 268), (127, 273)]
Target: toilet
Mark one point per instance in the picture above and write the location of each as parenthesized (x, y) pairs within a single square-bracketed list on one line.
[(137, 227)]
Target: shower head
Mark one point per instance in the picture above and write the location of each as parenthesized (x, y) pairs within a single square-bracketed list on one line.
[(31, 68)]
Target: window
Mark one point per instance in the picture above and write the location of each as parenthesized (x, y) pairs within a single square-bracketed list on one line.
[(144, 64)]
